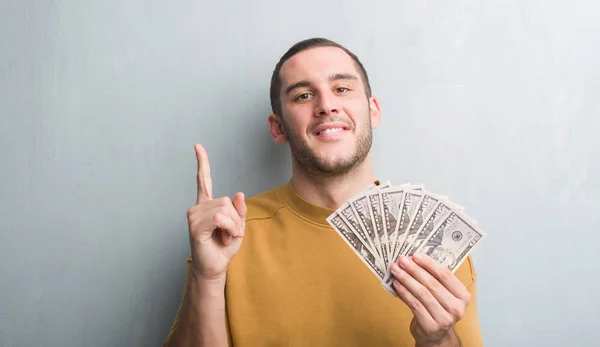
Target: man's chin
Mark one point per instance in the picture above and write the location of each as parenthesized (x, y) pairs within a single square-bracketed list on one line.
[(333, 168), (325, 163)]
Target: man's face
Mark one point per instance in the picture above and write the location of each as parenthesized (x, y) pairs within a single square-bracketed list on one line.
[(327, 117)]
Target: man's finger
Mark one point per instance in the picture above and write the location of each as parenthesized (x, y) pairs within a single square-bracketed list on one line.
[(239, 203), (442, 274), (423, 317), (223, 206), (204, 180), (227, 227), (226, 239), (423, 275), (405, 276)]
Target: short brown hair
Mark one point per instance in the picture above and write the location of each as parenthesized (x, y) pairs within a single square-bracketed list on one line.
[(304, 45)]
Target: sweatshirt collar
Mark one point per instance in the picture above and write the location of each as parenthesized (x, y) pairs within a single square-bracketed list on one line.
[(303, 208)]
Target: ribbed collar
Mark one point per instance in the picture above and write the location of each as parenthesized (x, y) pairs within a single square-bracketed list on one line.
[(303, 208)]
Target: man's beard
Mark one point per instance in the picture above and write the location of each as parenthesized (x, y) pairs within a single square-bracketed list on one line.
[(317, 167)]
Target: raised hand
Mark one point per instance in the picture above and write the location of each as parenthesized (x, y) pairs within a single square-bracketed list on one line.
[(436, 297), (216, 226)]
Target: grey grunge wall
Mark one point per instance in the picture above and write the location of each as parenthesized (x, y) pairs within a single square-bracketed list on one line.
[(493, 103)]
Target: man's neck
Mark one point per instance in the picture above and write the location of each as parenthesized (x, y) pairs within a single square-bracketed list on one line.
[(332, 192)]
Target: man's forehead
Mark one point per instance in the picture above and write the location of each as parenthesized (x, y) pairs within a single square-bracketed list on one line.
[(320, 62)]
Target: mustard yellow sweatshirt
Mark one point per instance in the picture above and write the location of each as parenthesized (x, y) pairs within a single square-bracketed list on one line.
[(295, 282)]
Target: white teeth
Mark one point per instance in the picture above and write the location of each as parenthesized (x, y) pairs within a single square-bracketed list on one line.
[(330, 130)]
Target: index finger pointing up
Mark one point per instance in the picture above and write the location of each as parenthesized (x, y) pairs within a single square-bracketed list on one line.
[(204, 180)]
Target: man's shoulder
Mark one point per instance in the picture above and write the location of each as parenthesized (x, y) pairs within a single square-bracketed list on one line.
[(264, 205)]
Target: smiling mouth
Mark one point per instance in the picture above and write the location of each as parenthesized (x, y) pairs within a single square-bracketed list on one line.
[(329, 131)]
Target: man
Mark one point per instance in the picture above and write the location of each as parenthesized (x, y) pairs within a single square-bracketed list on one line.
[(270, 271)]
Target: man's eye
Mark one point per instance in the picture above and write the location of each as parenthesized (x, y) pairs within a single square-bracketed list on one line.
[(303, 96), (342, 89)]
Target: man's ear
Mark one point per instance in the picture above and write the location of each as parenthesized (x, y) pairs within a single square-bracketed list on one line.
[(375, 112), (277, 130)]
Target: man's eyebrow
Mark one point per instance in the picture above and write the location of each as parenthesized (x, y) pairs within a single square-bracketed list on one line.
[(342, 76), (296, 85), (333, 77)]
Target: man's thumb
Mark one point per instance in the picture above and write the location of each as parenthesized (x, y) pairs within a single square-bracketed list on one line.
[(239, 202)]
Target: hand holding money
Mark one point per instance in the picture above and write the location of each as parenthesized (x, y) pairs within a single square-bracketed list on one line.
[(435, 296), (216, 227), (413, 241), (384, 222)]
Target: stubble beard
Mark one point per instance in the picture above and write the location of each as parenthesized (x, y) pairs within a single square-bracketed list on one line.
[(320, 168)]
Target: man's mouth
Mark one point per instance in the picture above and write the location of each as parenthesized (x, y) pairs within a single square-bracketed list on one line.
[(327, 129)]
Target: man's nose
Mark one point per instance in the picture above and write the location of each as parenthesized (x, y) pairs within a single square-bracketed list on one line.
[(326, 105)]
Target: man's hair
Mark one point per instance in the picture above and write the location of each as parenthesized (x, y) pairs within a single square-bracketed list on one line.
[(275, 90)]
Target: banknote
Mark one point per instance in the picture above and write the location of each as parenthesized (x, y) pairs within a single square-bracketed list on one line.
[(452, 241), (383, 222), (350, 218), (338, 224), (391, 202), (360, 208), (435, 218), (374, 203), (410, 202), (362, 211), (426, 206)]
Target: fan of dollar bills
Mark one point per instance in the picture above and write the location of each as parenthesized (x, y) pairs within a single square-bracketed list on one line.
[(383, 222)]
